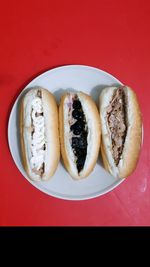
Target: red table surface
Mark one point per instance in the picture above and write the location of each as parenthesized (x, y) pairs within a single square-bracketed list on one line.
[(39, 35)]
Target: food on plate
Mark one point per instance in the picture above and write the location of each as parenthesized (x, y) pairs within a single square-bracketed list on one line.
[(39, 134), (79, 133), (121, 124)]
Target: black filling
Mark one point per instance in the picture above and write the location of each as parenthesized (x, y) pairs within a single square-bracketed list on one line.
[(80, 131)]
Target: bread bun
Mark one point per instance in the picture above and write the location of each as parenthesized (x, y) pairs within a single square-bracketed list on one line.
[(79, 133), (121, 130), (39, 134)]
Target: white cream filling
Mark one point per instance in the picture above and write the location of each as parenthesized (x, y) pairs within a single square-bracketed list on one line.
[(38, 137)]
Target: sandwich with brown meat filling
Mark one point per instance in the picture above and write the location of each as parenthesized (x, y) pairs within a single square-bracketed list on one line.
[(121, 130)]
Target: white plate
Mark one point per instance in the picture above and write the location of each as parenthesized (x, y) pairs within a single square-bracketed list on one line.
[(57, 81)]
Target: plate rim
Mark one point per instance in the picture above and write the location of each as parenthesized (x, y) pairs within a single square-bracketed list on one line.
[(33, 183), (72, 66)]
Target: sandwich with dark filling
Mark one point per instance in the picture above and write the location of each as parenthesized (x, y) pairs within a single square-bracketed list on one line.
[(121, 130), (79, 133), (39, 134)]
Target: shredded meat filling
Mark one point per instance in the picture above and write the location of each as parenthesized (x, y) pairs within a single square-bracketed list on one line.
[(116, 116)]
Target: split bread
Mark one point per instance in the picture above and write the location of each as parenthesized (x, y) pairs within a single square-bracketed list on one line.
[(79, 133), (121, 124), (39, 134)]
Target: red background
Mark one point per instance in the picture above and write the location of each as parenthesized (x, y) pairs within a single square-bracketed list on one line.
[(38, 35)]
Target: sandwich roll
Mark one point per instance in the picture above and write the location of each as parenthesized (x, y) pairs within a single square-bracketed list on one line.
[(121, 130), (39, 134), (79, 133)]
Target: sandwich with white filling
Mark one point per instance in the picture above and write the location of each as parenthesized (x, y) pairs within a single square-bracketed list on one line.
[(39, 134)]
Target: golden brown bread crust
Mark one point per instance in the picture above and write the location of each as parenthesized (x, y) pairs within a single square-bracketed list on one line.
[(22, 144), (51, 124), (133, 139), (85, 100), (104, 158), (61, 133), (133, 143), (97, 138), (47, 96)]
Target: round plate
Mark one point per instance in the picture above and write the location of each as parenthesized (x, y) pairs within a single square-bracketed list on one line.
[(72, 77)]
